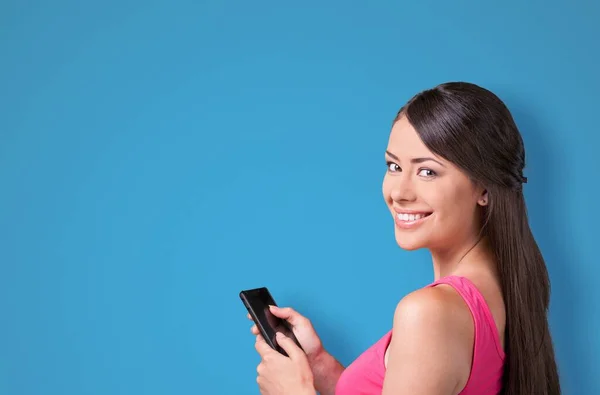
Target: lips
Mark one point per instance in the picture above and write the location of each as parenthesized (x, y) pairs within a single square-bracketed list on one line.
[(410, 219)]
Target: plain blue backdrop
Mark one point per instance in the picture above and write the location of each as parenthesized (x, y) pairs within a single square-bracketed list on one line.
[(158, 157)]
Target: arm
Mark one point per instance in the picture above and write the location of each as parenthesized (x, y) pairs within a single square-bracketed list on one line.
[(431, 348), (326, 372)]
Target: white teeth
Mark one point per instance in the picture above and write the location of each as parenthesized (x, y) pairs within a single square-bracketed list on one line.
[(410, 217)]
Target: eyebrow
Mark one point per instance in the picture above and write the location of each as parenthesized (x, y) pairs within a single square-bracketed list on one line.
[(416, 160)]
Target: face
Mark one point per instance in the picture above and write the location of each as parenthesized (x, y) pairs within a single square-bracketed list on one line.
[(433, 203)]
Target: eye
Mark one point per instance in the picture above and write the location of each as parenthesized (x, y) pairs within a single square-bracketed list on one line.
[(391, 168), (427, 173)]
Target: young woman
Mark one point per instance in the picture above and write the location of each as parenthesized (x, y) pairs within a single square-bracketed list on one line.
[(453, 185)]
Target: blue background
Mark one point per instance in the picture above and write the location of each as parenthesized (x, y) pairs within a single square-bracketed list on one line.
[(158, 157)]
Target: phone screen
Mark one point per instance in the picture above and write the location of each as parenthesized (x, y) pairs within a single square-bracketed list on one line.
[(257, 301)]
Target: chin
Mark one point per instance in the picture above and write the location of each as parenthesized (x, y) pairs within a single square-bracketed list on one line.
[(409, 242)]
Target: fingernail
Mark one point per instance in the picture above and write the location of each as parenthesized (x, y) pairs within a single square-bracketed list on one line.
[(280, 335), (272, 306)]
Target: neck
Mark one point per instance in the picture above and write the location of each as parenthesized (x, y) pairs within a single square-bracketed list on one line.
[(471, 254)]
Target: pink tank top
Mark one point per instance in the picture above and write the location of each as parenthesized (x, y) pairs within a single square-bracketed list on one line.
[(365, 375)]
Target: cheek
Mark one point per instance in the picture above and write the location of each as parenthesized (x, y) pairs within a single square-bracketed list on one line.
[(454, 213)]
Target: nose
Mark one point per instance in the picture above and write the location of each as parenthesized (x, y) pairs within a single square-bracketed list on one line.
[(402, 189)]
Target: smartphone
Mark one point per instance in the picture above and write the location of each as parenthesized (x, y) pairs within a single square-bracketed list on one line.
[(257, 303)]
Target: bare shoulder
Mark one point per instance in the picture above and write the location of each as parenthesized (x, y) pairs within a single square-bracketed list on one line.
[(436, 308), (432, 343)]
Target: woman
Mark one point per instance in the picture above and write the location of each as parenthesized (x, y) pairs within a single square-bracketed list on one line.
[(453, 185)]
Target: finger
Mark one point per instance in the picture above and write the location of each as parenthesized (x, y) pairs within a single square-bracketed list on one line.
[(290, 347), (287, 313), (254, 330), (249, 316), (262, 347), (260, 369), (258, 339)]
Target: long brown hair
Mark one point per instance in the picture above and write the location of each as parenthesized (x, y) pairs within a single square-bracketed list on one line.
[(472, 128)]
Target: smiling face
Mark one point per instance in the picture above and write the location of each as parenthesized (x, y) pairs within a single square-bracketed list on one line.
[(434, 204)]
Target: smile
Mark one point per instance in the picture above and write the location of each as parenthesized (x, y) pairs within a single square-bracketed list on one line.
[(410, 220), (411, 217)]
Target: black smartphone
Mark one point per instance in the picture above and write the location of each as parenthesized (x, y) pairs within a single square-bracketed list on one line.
[(257, 303)]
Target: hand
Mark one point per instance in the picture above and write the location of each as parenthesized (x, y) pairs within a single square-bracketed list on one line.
[(281, 375), (302, 328)]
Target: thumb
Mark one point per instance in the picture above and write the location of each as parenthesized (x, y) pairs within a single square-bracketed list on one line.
[(292, 350), (286, 313)]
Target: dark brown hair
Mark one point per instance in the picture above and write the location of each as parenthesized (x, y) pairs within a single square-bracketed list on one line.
[(471, 127)]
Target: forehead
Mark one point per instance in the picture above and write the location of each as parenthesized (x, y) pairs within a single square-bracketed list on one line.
[(405, 141)]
